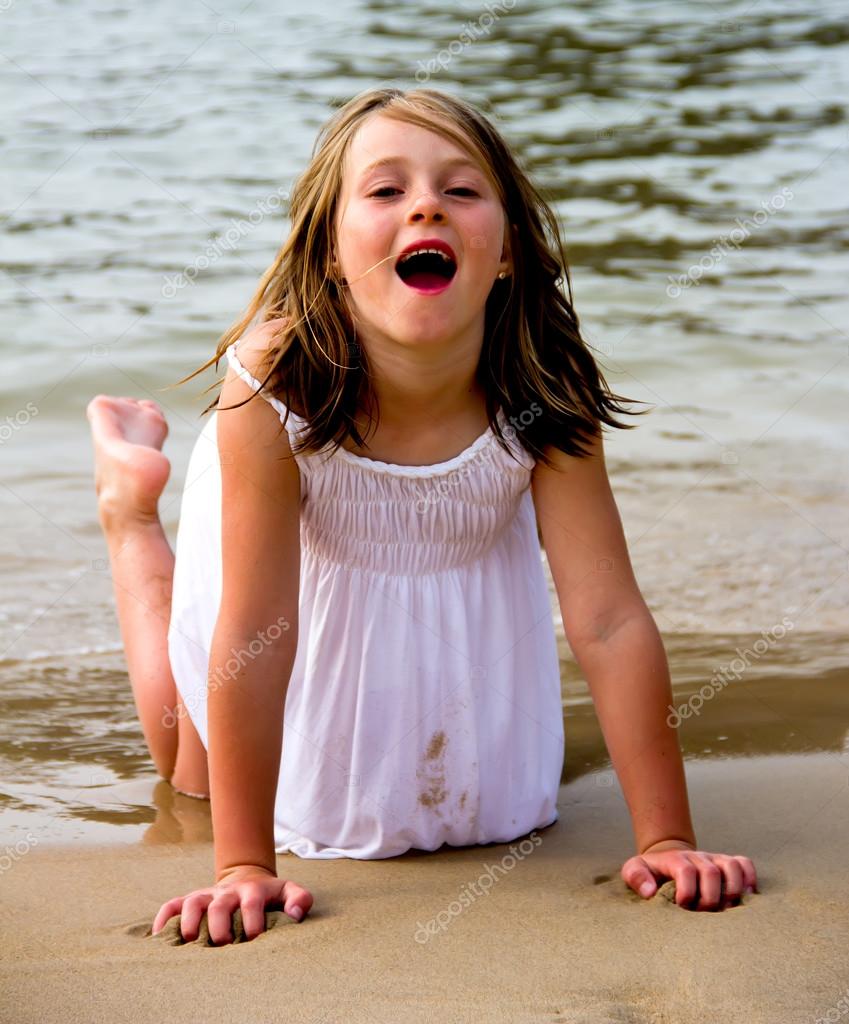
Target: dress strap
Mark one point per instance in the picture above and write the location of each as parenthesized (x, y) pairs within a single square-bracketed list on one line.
[(294, 421)]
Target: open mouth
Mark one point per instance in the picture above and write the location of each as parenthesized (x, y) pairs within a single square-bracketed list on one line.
[(426, 269)]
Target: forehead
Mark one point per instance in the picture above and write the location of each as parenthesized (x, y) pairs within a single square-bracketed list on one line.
[(382, 139)]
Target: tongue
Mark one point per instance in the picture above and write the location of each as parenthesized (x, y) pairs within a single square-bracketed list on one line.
[(426, 279)]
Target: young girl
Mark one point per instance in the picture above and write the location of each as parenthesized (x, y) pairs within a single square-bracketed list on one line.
[(390, 592)]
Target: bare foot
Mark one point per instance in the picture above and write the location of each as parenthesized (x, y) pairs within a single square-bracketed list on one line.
[(130, 469)]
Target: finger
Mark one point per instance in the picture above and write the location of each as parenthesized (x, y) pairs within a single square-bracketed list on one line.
[(750, 876), (296, 900), (732, 877), (710, 882), (638, 876), (253, 909), (165, 913), (194, 907), (686, 878), (219, 917)]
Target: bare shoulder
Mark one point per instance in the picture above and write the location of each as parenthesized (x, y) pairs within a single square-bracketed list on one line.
[(248, 423), (573, 466), (576, 491), (255, 344)]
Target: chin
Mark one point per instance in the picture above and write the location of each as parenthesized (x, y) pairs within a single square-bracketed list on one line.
[(422, 332)]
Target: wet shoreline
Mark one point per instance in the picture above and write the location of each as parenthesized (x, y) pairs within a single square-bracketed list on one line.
[(86, 777)]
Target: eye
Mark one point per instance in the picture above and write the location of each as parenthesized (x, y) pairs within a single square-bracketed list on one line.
[(391, 188)]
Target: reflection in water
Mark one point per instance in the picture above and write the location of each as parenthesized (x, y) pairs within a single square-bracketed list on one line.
[(179, 818), (92, 777)]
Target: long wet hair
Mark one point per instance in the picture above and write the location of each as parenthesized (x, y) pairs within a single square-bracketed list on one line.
[(533, 356)]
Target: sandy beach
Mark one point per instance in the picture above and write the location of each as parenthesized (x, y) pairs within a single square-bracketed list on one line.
[(555, 937), (539, 930)]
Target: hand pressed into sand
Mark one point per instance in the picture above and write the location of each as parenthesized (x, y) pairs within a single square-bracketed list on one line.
[(703, 881), (249, 886)]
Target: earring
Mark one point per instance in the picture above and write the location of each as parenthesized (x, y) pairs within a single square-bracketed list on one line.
[(502, 274)]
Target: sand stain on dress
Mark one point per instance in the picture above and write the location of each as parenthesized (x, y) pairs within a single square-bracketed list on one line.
[(432, 773), (434, 791)]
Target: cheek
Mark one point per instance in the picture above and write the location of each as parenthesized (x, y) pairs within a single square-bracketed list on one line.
[(486, 237), (366, 243)]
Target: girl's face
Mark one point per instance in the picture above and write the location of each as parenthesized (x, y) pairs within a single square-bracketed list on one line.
[(403, 184)]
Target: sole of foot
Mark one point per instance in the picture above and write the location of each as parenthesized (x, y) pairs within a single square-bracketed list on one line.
[(130, 468)]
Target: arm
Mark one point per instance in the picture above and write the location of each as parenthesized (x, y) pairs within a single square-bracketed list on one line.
[(618, 648), (615, 641), (260, 550), (247, 684)]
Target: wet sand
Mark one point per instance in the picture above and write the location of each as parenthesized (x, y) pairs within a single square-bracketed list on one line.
[(556, 936)]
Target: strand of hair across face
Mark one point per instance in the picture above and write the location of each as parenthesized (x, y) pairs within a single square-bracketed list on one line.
[(347, 284), (391, 256)]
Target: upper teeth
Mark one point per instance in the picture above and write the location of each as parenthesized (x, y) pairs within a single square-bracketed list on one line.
[(418, 252)]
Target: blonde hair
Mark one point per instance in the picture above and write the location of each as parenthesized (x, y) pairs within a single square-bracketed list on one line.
[(532, 350)]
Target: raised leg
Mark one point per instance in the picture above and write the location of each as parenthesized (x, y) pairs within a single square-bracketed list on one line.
[(130, 475)]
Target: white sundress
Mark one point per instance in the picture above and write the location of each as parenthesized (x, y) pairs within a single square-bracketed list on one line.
[(424, 702)]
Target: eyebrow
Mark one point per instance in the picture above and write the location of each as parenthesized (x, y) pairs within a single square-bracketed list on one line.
[(456, 161)]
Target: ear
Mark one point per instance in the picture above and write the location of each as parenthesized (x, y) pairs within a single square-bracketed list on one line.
[(335, 268)]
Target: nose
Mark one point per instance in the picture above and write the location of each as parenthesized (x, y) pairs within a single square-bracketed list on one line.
[(425, 206)]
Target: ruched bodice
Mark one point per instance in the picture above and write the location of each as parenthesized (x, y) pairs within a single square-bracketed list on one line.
[(373, 517), (424, 703)]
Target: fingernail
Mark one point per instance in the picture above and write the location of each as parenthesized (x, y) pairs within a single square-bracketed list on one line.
[(646, 889), (297, 913)]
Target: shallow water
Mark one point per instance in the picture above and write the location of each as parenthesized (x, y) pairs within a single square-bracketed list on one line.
[(696, 156), (76, 767)]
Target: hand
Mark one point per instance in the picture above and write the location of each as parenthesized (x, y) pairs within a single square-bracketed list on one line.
[(699, 876), (251, 886)]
